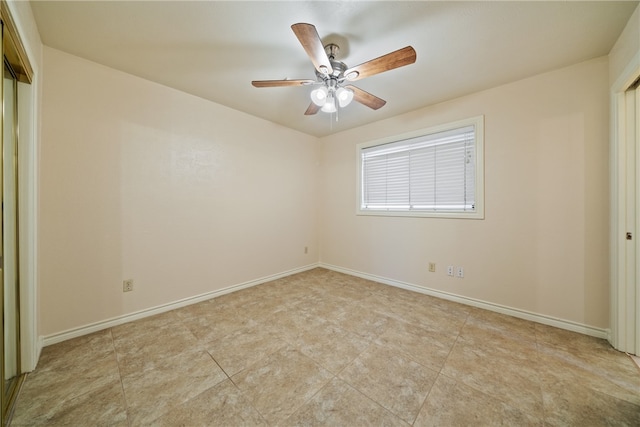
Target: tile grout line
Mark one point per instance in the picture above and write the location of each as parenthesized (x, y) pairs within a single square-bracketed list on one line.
[(335, 376), (539, 373), (424, 402), (249, 402), (202, 344), (124, 396)]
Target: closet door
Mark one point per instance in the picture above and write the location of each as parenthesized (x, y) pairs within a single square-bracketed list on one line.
[(15, 68), (11, 371), (9, 249)]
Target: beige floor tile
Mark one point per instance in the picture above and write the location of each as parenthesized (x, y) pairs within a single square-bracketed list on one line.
[(243, 296), (393, 298), (345, 289), (502, 324), (619, 379), (426, 347), (102, 365), (589, 360), (568, 402), (369, 285), (78, 353), (570, 341), (101, 405), (321, 305), (220, 320), (636, 360), (67, 371), (387, 304), (215, 318), (280, 383), (222, 405), (362, 320), (418, 311), (511, 379), (393, 293), (265, 308), (339, 404), (172, 381), (451, 403), (330, 346), (193, 311), (493, 341), (163, 333), (292, 323), (244, 347), (287, 290), (44, 392), (394, 381), (143, 349), (455, 309), (399, 356)]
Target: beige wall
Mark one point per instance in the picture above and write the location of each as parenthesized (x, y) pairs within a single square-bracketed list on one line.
[(626, 49), (543, 245), (180, 194)]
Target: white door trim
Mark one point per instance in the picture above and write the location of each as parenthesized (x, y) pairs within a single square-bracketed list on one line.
[(623, 316)]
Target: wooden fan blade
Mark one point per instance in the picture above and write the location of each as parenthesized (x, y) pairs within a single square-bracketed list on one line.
[(365, 98), (312, 44), (312, 109), (395, 59), (278, 83)]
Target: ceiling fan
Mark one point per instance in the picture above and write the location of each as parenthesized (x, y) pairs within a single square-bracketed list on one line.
[(333, 76)]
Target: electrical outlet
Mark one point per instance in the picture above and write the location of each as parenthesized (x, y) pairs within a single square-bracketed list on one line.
[(127, 285), (306, 250), (432, 267), (450, 270), (460, 272)]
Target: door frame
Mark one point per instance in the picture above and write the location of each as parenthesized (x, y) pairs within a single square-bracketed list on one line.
[(624, 332)]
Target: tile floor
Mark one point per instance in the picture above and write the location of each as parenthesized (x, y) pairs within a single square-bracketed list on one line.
[(323, 348)]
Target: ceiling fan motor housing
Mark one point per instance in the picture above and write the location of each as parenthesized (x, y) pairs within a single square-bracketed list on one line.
[(338, 67)]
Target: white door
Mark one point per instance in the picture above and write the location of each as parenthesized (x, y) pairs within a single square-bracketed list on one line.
[(625, 241), (632, 211)]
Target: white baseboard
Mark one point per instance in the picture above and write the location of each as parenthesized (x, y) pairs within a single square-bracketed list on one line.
[(522, 314), (515, 312), (115, 321)]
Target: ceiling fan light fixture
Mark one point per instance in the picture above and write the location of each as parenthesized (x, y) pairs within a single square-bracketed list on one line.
[(345, 96), (331, 74), (319, 96)]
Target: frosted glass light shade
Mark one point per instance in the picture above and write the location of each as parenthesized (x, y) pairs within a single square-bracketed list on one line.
[(345, 96), (330, 105), (319, 96)]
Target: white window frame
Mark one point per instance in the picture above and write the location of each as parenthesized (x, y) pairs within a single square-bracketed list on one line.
[(478, 213)]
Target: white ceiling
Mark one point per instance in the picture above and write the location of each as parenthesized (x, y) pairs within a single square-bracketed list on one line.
[(214, 49)]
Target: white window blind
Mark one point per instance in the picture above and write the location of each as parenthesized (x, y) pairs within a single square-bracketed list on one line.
[(430, 173)]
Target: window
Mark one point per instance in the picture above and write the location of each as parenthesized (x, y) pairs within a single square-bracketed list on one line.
[(433, 172)]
